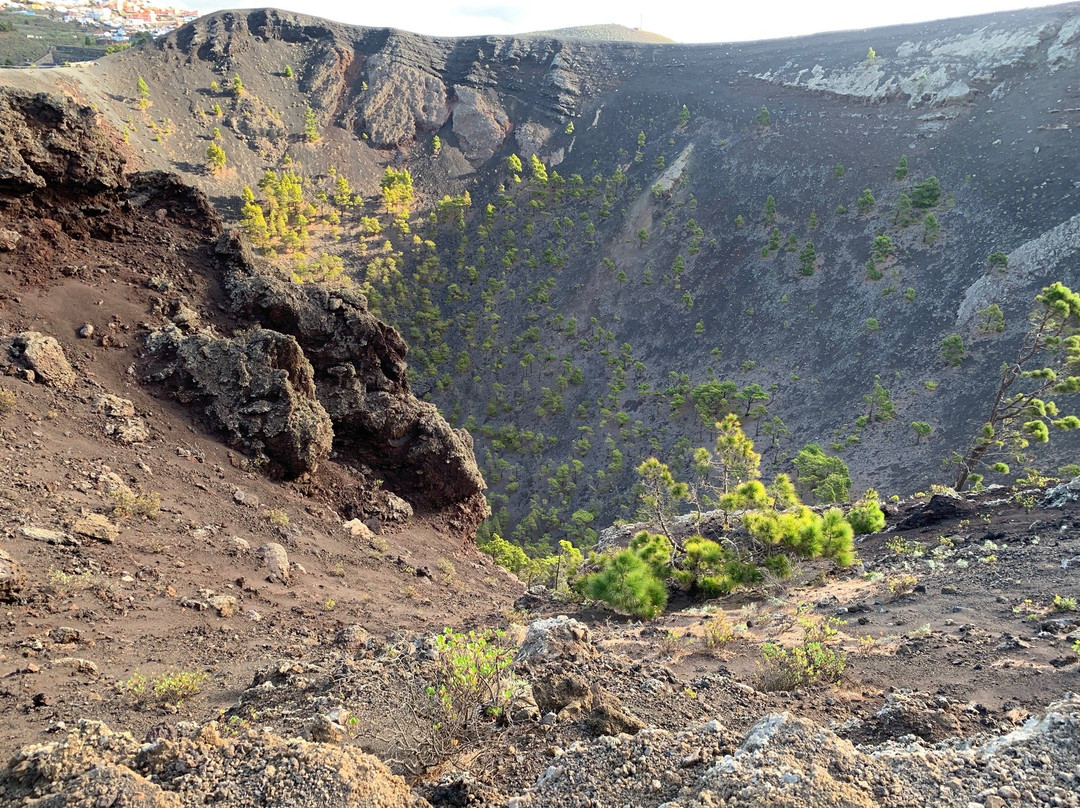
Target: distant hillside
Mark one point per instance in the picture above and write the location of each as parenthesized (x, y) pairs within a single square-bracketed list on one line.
[(27, 37), (604, 33)]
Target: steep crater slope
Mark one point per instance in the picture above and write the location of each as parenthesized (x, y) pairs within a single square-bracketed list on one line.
[(135, 541), (567, 318)]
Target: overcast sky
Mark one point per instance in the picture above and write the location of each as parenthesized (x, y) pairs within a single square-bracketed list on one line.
[(681, 20)]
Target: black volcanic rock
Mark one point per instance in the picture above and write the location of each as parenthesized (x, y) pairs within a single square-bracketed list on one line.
[(46, 140), (257, 388), (359, 366)]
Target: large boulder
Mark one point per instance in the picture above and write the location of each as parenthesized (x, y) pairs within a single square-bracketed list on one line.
[(555, 638), (359, 371), (257, 388), (43, 355)]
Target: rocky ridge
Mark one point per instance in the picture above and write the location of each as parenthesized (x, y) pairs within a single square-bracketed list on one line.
[(258, 387)]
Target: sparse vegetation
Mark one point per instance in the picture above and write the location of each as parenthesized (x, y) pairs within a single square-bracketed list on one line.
[(814, 659), (311, 125), (1064, 604), (7, 403), (215, 158), (1018, 417), (952, 350), (456, 705), (173, 687), (277, 517)]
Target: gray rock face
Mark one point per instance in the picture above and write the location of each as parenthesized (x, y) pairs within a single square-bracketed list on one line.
[(1061, 495), (1067, 45), (934, 72), (257, 387), (531, 138), (43, 355), (480, 123), (400, 101)]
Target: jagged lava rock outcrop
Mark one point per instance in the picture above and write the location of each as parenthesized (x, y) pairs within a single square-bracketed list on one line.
[(47, 141), (359, 366), (257, 387)]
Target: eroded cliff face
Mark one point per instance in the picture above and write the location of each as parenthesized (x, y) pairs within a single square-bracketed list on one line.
[(394, 88), (290, 373)]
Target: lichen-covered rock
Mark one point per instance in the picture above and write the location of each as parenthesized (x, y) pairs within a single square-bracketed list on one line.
[(257, 388), (9, 239), (43, 355), (276, 559), (12, 578), (120, 419), (554, 638)]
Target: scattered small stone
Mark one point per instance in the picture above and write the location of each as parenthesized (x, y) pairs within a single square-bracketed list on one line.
[(121, 421), (323, 730), (359, 530), (64, 635), (185, 316), (397, 509), (12, 578), (238, 546), (352, 638), (224, 605), (9, 239), (45, 535), (43, 356), (86, 331), (114, 406)]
